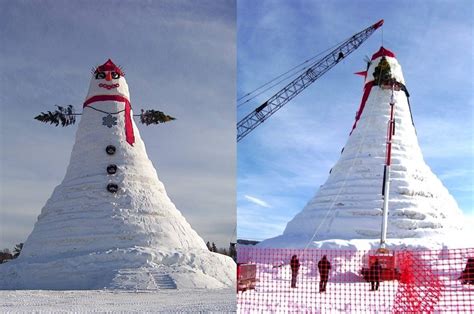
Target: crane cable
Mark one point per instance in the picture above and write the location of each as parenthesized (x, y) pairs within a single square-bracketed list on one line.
[(234, 234), (283, 74), (347, 174), (340, 189)]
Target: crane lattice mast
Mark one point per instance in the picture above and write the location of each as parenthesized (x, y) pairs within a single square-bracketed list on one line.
[(315, 71)]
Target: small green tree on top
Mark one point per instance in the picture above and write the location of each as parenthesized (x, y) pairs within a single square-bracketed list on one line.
[(382, 72)]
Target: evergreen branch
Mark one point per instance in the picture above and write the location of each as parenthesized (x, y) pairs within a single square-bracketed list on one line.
[(63, 115), (382, 73), (154, 117)]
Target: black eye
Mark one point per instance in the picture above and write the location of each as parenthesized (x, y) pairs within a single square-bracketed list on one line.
[(100, 75), (115, 75)]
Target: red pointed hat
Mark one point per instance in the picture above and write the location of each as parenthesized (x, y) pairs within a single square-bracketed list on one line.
[(109, 66), (383, 52)]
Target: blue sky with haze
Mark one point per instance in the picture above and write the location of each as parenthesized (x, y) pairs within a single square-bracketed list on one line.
[(179, 57), (282, 163)]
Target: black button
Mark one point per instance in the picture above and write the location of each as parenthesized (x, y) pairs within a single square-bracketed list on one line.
[(111, 169), (110, 149), (112, 187)]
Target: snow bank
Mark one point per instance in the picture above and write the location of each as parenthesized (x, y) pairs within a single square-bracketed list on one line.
[(452, 240), (129, 269)]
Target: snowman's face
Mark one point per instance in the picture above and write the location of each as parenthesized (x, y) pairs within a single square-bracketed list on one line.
[(111, 79), (108, 82)]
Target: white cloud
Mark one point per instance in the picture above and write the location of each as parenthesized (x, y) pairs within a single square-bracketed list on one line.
[(455, 173), (257, 201)]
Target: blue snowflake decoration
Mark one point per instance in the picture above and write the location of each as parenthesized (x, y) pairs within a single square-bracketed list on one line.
[(109, 121)]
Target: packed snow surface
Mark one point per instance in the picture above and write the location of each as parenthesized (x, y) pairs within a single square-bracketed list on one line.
[(349, 204), (462, 239), (89, 238), (435, 273), (107, 301), (278, 297)]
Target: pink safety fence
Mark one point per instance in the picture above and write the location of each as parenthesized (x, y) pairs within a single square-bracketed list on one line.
[(405, 281)]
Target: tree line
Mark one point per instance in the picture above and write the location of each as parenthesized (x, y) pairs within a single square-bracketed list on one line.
[(7, 254), (231, 251)]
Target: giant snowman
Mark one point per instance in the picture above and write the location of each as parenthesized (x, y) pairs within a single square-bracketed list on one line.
[(346, 211), (110, 223)]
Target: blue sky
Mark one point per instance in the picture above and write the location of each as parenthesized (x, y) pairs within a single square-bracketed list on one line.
[(179, 57), (282, 163)]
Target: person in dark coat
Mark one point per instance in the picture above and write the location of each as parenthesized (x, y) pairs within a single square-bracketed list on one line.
[(323, 266), (467, 275), (374, 275), (295, 267)]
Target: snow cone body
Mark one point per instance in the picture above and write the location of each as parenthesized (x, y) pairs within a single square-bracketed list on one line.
[(110, 222), (349, 204)]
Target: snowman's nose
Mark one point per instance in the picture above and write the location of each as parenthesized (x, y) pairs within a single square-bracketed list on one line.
[(108, 76)]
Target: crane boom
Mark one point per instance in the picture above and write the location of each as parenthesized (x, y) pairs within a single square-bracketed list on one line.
[(315, 71)]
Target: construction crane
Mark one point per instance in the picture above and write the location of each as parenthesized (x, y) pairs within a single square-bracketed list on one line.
[(315, 71)]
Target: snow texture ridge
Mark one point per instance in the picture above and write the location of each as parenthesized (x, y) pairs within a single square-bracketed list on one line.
[(349, 204), (86, 236), (114, 301)]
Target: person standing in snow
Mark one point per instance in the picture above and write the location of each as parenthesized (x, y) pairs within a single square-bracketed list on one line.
[(467, 275), (295, 267), (323, 266), (374, 275)]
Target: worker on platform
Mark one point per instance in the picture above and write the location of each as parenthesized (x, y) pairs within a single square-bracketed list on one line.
[(374, 275), (295, 267), (323, 266), (340, 56)]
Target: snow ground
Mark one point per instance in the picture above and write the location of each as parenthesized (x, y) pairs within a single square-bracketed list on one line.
[(278, 297), (100, 301), (347, 292)]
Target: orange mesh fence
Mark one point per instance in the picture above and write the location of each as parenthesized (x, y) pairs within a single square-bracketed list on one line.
[(323, 281)]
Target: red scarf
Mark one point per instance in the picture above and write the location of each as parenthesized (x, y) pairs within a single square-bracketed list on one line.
[(128, 118), (365, 96)]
